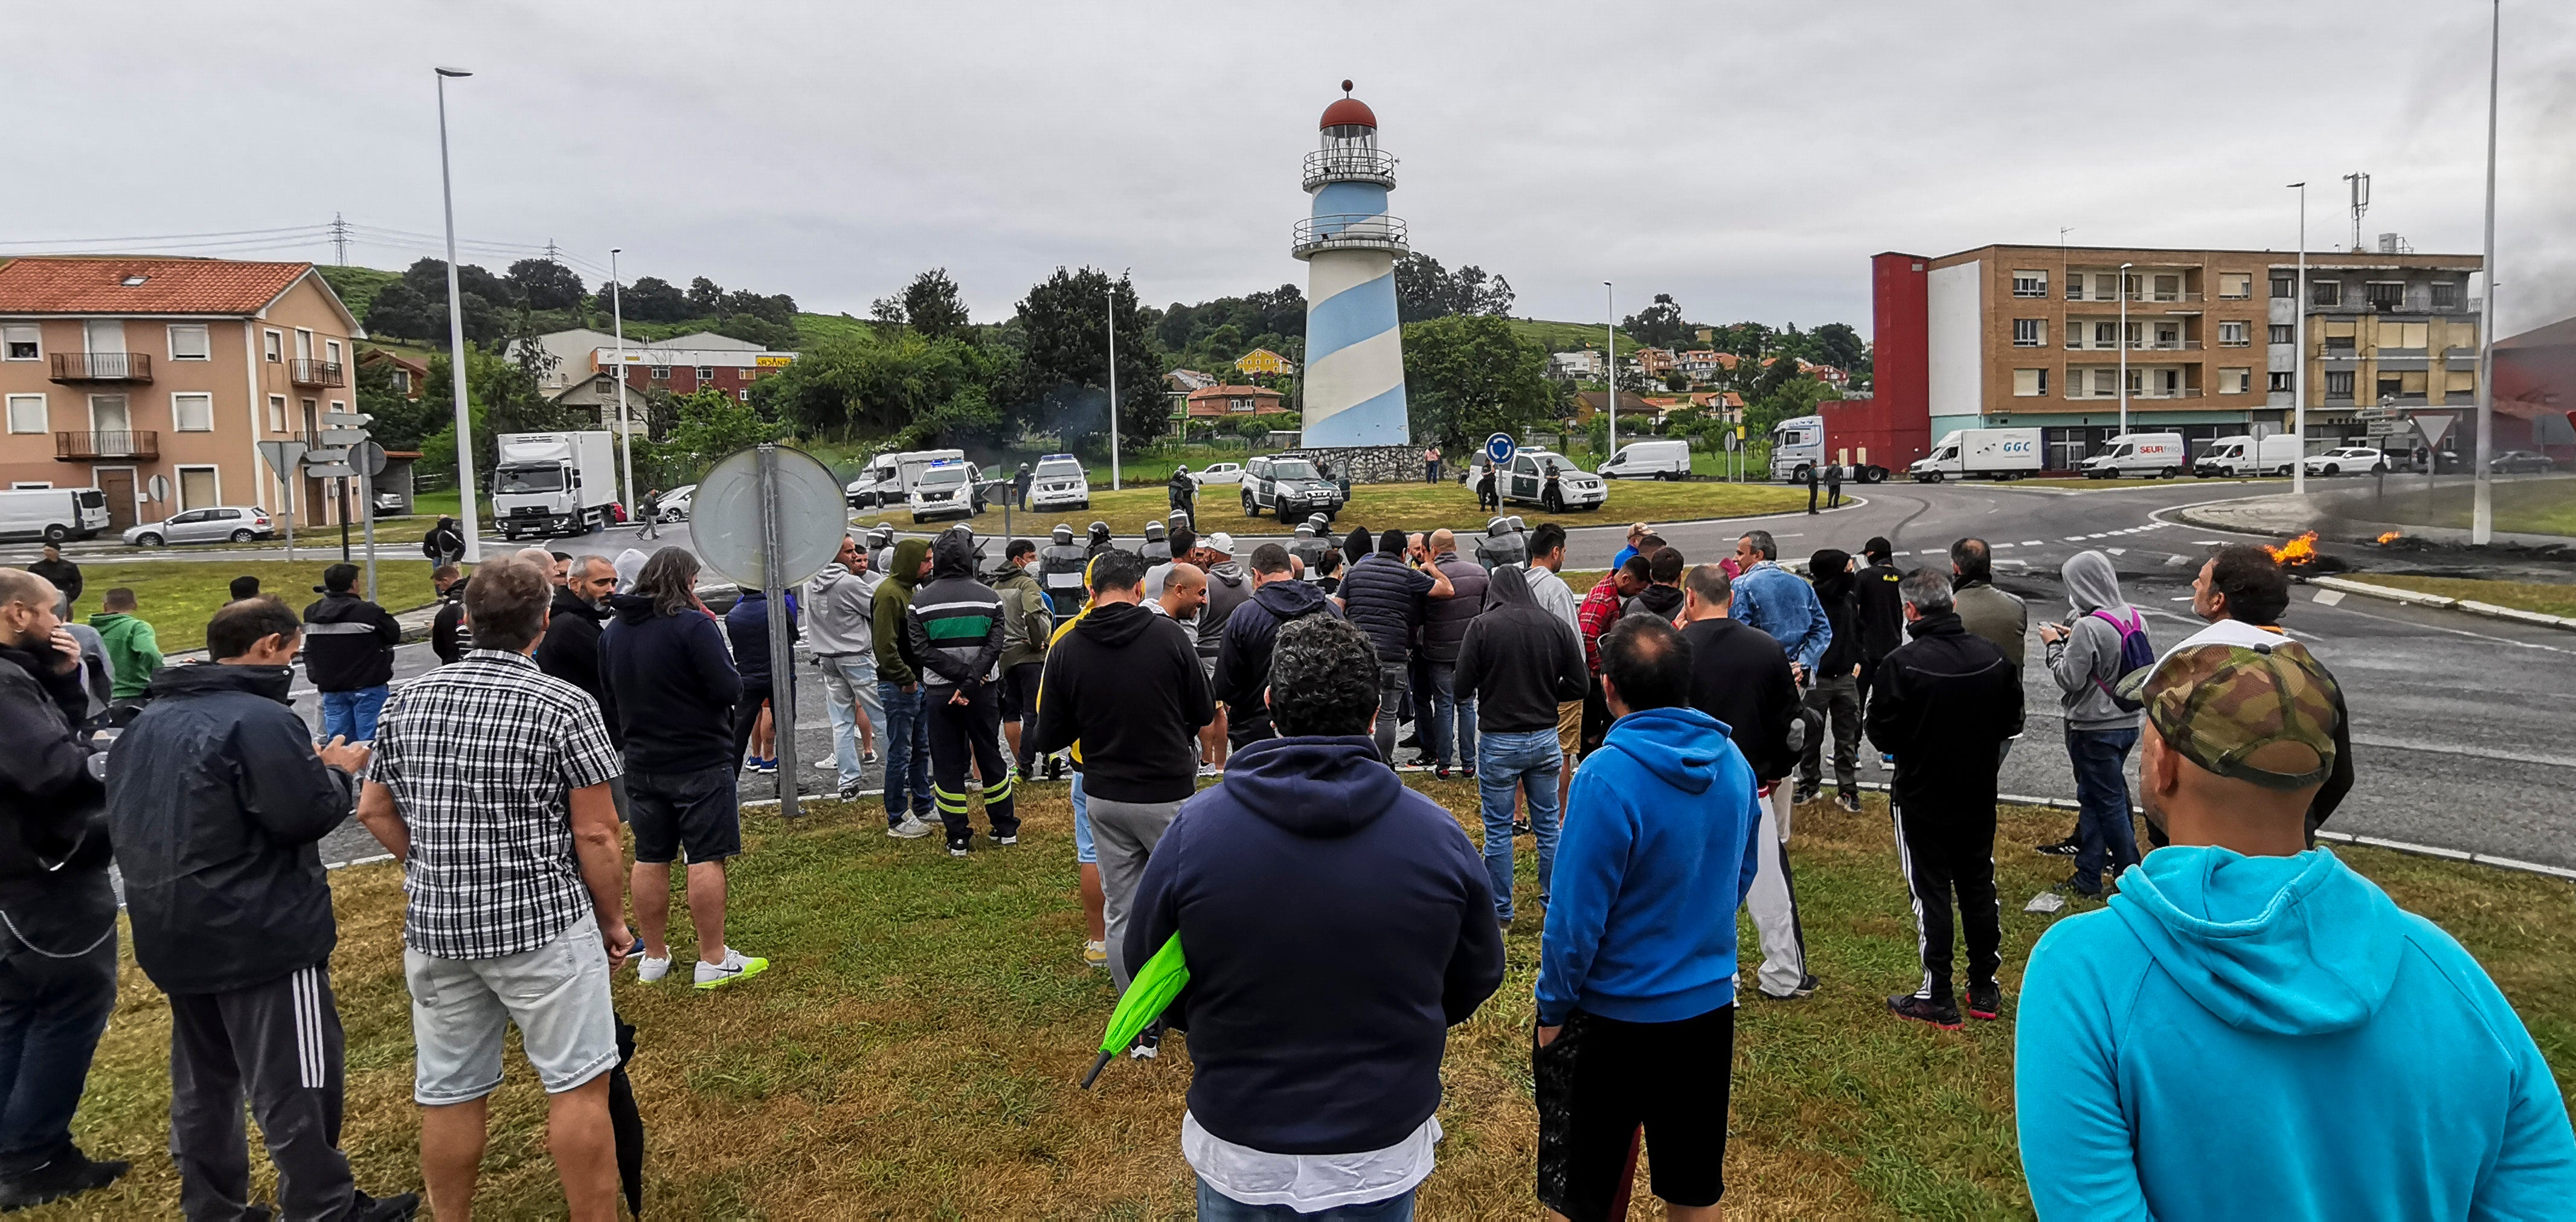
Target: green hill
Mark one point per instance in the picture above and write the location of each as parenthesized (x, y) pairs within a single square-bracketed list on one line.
[(1568, 336), (357, 286)]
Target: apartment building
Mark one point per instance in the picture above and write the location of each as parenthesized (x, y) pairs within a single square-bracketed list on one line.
[(115, 370), (2033, 336)]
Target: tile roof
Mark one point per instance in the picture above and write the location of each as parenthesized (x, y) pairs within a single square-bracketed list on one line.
[(96, 285)]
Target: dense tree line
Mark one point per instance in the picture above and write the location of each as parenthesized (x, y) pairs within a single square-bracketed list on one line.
[(1424, 290), (414, 307)]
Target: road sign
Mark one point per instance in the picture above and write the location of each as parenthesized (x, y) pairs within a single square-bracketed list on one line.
[(329, 470), (2378, 413), (1499, 448), (368, 457), (2434, 427), (725, 516), (316, 455), (346, 420), (340, 437), (282, 456), (158, 487)]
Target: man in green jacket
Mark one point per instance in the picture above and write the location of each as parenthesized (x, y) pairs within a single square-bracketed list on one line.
[(133, 651), (1027, 623), (907, 731)]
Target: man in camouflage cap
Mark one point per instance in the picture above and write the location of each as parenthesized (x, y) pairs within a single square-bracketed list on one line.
[(2252, 1029)]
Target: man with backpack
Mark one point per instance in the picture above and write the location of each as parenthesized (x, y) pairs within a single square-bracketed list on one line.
[(2107, 640)]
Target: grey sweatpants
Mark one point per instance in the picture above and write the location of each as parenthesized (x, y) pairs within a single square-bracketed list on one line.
[(1124, 833), (1773, 901), (280, 1042)]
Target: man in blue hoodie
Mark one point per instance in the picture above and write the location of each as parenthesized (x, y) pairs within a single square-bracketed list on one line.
[(1636, 977), (1336, 925), (2253, 1030)]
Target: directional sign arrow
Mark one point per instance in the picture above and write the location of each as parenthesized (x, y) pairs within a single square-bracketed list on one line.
[(341, 437)]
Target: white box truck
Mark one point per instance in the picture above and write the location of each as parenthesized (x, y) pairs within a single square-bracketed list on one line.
[(891, 477), (2242, 456), (2153, 455), (554, 484), (52, 514), (1979, 453)]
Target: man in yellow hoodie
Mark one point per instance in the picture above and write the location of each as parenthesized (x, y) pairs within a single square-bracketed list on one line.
[(1095, 901)]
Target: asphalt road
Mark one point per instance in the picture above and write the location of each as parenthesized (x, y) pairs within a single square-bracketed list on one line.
[(2460, 723)]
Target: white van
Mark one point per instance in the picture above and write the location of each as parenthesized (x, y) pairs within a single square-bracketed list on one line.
[(1665, 460), (2153, 455), (52, 514), (891, 477), (2241, 456)]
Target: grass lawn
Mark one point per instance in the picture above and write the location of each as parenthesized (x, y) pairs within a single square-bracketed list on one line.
[(1380, 506), (2522, 506), (178, 596), (913, 1050), (2538, 596)]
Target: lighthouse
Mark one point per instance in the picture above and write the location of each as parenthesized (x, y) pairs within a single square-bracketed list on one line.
[(1354, 389)]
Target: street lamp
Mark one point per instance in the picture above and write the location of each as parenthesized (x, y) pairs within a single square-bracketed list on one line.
[(2299, 343), (456, 339), (1111, 293), (1610, 325), (625, 435), (2124, 345), (2482, 500)]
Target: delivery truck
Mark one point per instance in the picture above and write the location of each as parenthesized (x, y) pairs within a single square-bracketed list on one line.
[(1980, 454), (2152, 455), (891, 477), (1868, 436), (554, 484), (2241, 456)]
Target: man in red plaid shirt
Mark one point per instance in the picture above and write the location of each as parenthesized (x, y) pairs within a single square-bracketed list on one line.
[(1600, 609)]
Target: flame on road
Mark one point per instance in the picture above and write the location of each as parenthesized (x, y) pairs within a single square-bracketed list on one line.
[(2296, 552), (2391, 537)]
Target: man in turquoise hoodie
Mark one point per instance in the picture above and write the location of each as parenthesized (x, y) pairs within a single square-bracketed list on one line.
[(2253, 1030), (1636, 980)]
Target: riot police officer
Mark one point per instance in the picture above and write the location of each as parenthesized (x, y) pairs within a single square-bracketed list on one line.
[(1499, 546), (1100, 541), (881, 547), (1060, 570), (1310, 545), (1158, 544)]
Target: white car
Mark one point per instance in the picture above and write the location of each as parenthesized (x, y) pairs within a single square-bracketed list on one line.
[(949, 487), (1229, 474), (219, 525), (673, 506), (1526, 479), (2359, 460), (1059, 483)]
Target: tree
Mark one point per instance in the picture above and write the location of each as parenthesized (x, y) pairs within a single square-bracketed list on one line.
[(931, 304), (407, 309), (1424, 290), (543, 284), (1745, 339), (703, 297), (501, 396), (1063, 374), (1468, 377), (1676, 380), (1660, 323), (401, 423), (761, 331), (654, 299), (1794, 397), (1838, 345), (706, 426)]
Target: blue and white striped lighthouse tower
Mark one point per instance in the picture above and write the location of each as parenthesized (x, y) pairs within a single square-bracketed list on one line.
[(1354, 387)]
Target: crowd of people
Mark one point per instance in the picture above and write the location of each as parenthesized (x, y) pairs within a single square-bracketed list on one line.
[(2217, 1040)]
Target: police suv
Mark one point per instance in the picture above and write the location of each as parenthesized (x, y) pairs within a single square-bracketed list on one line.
[(948, 488), (1058, 483), (1290, 487)]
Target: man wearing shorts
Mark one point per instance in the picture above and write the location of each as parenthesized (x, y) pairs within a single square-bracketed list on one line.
[(1636, 980), (490, 784)]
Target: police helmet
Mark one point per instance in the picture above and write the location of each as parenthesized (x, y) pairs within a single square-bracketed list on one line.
[(1063, 535), (1498, 526), (1517, 527), (1154, 532), (1305, 530), (1318, 521), (1100, 532)]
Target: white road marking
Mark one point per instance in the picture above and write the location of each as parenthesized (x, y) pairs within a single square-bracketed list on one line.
[(2031, 542), (2328, 597), (2117, 551), (2003, 545)]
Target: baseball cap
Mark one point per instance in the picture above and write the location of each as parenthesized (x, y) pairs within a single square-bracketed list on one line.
[(2259, 713), (1221, 543)]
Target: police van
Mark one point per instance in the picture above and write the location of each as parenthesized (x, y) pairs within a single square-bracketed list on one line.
[(948, 488), (1059, 483)]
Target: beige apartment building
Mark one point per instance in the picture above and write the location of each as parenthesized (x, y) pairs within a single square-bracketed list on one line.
[(114, 370), (2033, 336)]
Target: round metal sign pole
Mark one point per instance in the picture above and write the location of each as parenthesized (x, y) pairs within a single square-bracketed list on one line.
[(767, 518)]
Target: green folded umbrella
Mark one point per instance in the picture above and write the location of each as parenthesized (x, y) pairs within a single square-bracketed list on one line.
[(1148, 994)]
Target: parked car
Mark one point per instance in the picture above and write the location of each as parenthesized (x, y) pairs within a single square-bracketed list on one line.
[(674, 505), (1227, 473), (2356, 459), (1664, 460), (222, 524), (2520, 460), (1574, 488), (1059, 482), (947, 487), (388, 503), (1289, 486)]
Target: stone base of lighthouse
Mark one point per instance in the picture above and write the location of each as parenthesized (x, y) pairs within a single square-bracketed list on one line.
[(1369, 464)]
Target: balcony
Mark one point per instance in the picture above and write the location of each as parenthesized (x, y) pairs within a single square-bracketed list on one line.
[(1349, 165), (315, 373), (2141, 297), (102, 367), (1348, 231), (87, 447)]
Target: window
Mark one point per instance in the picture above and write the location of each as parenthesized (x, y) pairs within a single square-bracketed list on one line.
[(2137, 334), (2168, 335), (2235, 334), (2325, 293), (2284, 333), (192, 413), (22, 342), (2106, 286), (272, 345), (2410, 382), (706, 373), (2464, 382), (331, 351), (2029, 332), (402, 380), (661, 373), (743, 395), (2281, 380), (2386, 294), (2235, 381), (2446, 294), (2030, 284), (2075, 286), (2338, 383), (277, 413), (2235, 284), (2285, 286), (2106, 382), (2168, 288), (2030, 382), (303, 344), (2106, 335), (188, 342), (2404, 334), (26, 413), (2137, 381)]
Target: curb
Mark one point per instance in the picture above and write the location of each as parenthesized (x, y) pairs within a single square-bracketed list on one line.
[(2421, 599)]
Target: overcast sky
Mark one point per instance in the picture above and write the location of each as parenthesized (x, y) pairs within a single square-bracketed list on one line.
[(1747, 158)]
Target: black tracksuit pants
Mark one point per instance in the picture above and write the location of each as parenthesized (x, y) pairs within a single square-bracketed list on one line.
[(968, 733), (280, 1043), (1945, 853)]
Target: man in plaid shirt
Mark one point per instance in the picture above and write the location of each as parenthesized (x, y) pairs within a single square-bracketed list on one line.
[(490, 784), (1601, 608)]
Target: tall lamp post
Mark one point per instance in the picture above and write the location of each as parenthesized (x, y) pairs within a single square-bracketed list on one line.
[(1111, 292), (2299, 345), (2124, 345), (2482, 501), (625, 435), (456, 340), (1610, 327)]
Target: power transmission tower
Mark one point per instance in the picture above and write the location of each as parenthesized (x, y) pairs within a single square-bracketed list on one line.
[(339, 240)]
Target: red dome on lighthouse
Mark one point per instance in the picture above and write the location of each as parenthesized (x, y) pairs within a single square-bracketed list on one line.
[(1348, 112)]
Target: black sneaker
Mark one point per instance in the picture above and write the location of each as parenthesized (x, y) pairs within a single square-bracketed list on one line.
[(1148, 1045), (1806, 793), (2075, 886), (70, 1175), (1440, 771), (2061, 848), (850, 790), (1848, 801), (957, 848), (1807, 987), (396, 1208), (1520, 827), (1054, 768), (1941, 1014), (1986, 1001)]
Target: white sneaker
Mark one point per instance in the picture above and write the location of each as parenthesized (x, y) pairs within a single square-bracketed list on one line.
[(827, 764), (735, 966), (912, 828), (649, 969)]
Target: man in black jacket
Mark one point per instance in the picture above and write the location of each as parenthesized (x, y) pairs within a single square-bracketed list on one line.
[(570, 648), (1124, 688), (1517, 664), (1243, 651), (1882, 613), (349, 654), (444, 544), (1450, 706), (65, 575), (1741, 677), (58, 967), (1947, 702), (216, 796), (1387, 599), (1835, 693), (447, 637)]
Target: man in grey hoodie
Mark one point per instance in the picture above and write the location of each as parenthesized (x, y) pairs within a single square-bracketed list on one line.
[(2084, 656), (840, 623)]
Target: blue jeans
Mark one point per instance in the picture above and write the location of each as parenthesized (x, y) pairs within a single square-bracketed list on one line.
[(1453, 717), (352, 715), (906, 737), (52, 1012), (850, 695), (2103, 830), (1529, 761), (1215, 1206), (1084, 851)]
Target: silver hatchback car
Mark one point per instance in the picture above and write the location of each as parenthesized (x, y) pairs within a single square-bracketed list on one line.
[(223, 524)]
